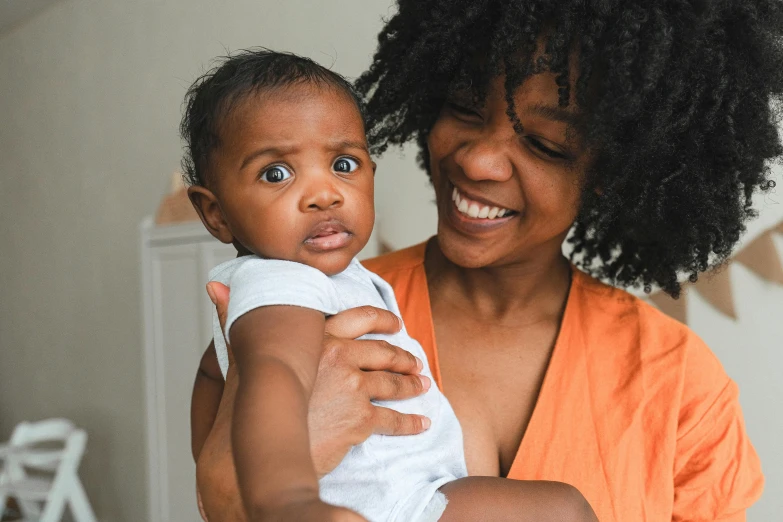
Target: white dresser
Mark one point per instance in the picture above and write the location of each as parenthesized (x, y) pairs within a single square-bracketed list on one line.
[(177, 328)]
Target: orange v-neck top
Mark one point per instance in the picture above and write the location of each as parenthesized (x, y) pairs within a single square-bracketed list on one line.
[(635, 410)]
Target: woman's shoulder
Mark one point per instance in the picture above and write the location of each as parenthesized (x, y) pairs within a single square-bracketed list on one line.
[(609, 309), (647, 370), (633, 334)]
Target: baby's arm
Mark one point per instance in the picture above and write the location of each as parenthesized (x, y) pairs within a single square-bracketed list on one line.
[(277, 350), (473, 499)]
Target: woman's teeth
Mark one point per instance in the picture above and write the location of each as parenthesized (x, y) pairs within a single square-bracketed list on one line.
[(476, 210)]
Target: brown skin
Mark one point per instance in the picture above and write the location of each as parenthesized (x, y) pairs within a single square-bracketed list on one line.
[(490, 287), (496, 288), (315, 142)]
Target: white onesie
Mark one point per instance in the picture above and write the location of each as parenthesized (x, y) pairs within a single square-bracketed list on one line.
[(386, 478)]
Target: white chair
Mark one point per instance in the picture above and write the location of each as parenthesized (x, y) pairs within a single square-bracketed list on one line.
[(39, 468)]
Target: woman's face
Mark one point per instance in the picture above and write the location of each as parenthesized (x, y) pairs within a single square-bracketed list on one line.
[(505, 197)]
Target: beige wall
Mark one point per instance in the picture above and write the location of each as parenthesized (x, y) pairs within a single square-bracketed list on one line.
[(90, 95)]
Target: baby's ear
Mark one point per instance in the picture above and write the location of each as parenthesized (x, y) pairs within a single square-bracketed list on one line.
[(208, 209)]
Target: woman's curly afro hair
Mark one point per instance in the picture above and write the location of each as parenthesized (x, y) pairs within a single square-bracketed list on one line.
[(679, 99)]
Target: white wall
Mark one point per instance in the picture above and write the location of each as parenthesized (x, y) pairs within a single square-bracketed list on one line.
[(91, 94)]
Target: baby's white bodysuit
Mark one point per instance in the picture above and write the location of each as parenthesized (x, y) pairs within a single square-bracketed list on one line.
[(386, 478)]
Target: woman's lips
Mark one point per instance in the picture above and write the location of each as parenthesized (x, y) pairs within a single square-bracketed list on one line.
[(328, 235)]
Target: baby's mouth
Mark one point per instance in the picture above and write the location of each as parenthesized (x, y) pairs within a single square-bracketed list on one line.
[(328, 235)]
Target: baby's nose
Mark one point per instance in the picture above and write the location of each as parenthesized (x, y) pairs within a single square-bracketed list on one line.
[(324, 196)]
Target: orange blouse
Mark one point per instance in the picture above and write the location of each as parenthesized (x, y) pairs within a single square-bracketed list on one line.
[(635, 410)]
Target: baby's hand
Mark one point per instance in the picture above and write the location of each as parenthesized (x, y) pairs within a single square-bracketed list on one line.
[(312, 511)]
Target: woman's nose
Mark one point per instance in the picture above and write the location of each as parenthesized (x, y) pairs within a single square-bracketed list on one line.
[(485, 158), (321, 195)]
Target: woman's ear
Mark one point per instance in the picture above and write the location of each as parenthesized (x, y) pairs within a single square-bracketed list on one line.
[(208, 209), (374, 168)]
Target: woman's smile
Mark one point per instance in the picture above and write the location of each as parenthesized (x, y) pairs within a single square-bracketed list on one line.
[(474, 208), (470, 215)]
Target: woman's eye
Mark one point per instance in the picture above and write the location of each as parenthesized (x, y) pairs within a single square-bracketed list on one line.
[(546, 150), (276, 174), (461, 109), (345, 165)]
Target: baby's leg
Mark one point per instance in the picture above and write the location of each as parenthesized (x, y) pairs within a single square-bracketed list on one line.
[(474, 499)]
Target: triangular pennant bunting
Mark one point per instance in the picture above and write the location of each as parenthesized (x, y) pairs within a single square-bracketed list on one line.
[(674, 308), (715, 288), (761, 256), (176, 206)]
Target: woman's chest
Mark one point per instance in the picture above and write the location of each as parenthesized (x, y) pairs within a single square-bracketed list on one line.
[(536, 413), (492, 380)]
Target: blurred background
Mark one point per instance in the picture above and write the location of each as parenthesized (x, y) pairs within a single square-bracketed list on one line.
[(90, 101)]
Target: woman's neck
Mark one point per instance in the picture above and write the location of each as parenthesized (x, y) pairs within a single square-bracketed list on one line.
[(528, 290)]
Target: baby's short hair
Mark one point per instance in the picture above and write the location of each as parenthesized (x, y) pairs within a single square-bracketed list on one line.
[(213, 95)]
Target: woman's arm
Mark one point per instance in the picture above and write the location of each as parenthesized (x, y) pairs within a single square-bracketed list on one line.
[(717, 473), (209, 386), (207, 391)]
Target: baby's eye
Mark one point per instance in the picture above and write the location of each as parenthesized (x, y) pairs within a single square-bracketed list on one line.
[(276, 174), (345, 165)]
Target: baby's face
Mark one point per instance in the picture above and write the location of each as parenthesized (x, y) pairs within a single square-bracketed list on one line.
[(294, 178)]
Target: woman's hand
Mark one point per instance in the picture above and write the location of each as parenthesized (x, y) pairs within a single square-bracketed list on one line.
[(350, 374)]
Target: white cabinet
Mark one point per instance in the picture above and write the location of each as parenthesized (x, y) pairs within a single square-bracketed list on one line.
[(177, 329)]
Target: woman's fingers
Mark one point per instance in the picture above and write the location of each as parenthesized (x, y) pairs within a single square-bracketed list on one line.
[(370, 355), (218, 294), (201, 506), (356, 322), (390, 422), (386, 386), (350, 374)]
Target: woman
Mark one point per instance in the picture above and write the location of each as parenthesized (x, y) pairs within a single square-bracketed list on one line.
[(643, 128)]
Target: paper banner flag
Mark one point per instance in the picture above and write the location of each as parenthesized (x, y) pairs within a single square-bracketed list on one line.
[(715, 288), (761, 256), (675, 308), (176, 208), (176, 183)]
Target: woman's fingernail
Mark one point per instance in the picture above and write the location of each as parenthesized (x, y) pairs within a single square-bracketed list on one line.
[(211, 294), (425, 382), (419, 364), (426, 423)]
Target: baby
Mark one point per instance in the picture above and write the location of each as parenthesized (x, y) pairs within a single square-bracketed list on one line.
[(278, 164)]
